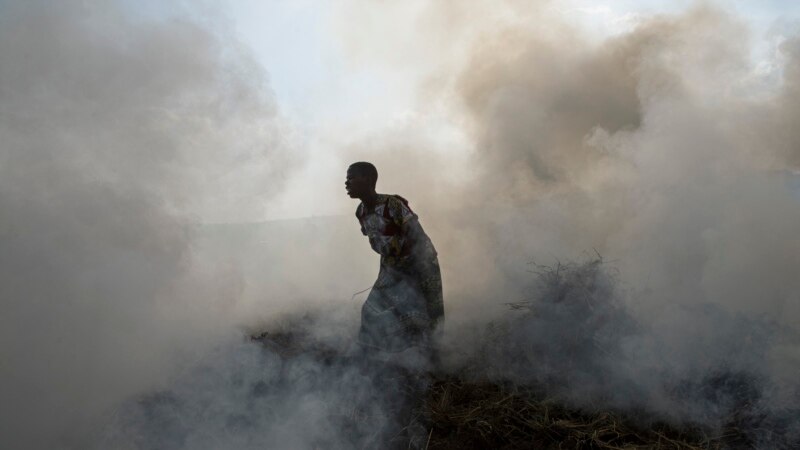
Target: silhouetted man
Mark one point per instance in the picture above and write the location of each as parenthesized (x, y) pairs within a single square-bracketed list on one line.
[(405, 305)]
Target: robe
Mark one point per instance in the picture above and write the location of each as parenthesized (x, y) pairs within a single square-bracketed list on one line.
[(405, 306)]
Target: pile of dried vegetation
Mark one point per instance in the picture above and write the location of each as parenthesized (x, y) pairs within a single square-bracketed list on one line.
[(458, 413), (465, 415), (525, 385)]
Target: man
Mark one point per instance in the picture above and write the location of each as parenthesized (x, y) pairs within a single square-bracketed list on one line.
[(405, 305)]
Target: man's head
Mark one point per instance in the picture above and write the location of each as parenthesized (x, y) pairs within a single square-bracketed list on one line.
[(361, 179)]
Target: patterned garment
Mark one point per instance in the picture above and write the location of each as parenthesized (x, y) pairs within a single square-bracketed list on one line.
[(405, 305)]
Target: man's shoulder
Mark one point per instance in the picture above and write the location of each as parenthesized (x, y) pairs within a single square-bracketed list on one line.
[(389, 201), (395, 200), (398, 208), (395, 204)]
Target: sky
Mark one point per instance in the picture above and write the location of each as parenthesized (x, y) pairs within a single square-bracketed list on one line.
[(322, 88), (332, 92), (311, 76)]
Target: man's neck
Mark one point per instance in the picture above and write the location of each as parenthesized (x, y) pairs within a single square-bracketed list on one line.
[(370, 200)]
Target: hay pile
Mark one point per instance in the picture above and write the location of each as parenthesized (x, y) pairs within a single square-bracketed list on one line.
[(465, 415), (566, 336), (519, 387)]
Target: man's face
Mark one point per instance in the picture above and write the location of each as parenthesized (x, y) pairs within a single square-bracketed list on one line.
[(356, 185)]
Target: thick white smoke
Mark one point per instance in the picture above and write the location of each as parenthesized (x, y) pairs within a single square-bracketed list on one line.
[(664, 149), (661, 147), (117, 134)]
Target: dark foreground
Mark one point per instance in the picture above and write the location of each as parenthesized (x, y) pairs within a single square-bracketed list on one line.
[(476, 415), (460, 413)]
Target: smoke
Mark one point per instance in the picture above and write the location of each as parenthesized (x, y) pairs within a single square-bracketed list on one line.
[(662, 147), (288, 390), (117, 133)]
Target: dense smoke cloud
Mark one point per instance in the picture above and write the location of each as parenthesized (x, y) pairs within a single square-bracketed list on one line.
[(116, 134), (661, 148), (653, 146), (778, 118), (638, 148)]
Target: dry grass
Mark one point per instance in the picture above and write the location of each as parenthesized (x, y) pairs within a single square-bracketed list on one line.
[(461, 414), (465, 415)]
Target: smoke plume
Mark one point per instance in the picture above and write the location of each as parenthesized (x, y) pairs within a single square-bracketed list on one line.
[(116, 135), (664, 147)]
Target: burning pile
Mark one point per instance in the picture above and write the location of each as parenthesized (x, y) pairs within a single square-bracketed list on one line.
[(505, 416), (554, 373)]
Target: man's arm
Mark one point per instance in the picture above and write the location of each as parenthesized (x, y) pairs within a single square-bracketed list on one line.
[(360, 216), (406, 221)]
